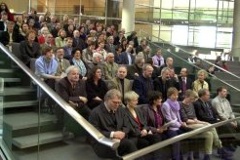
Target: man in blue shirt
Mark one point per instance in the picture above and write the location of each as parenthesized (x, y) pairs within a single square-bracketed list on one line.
[(46, 68)]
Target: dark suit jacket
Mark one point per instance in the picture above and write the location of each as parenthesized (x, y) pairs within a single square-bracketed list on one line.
[(67, 54), (203, 114), (160, 86), (101, 119), (134, 126), (124, 58), (140, 87), (131, 70), (188, 86), (28, 52), (95, 90), (4, 35), (149, 116), (65, 90), (80, 44)]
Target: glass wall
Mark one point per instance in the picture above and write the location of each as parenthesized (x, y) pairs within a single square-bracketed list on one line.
[(189, 22)]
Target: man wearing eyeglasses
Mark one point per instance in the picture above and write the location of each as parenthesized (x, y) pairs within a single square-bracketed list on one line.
[(110, 119)]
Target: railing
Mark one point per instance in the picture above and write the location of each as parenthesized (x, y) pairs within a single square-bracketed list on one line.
[(191, 64), (167, 142), (62, 103), (187, 53)]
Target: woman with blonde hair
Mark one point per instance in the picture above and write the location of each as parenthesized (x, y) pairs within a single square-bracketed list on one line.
[(200, 83), (139, 129)]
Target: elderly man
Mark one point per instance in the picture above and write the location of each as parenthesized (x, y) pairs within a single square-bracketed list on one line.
[(110, 67), (63, 63), (144, 84), (110, 119), (185, 83), (164, 82), (77, 41), (135, 70), (73, 91), (120, 82)]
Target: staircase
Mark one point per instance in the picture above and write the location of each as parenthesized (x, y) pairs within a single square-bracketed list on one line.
[(20, 119)]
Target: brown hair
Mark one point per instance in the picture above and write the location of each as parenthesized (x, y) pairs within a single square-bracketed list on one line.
[(46, 49), (171, 91)]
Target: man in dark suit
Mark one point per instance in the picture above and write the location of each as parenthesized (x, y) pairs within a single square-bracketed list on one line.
[(135, 70), (110, 119), (126, 57), (144, 84), (203, 107), (73, 91), (164, 82), (4, 35), (185, 83), (77, 41), (110, 47)]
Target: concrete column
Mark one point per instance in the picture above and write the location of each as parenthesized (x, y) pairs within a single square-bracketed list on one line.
[(236, 30), (128, 15)]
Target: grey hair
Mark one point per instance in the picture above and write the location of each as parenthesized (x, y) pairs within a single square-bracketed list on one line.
[(112, 93), (96, 54), (164, 70), (71, 68)]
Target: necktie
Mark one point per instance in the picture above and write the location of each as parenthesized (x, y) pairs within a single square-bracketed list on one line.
[(159, 62), (61, 65), (184, 86), (113, 117)]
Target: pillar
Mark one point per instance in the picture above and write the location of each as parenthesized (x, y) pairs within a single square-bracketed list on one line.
[(236, 30), (128, 15)]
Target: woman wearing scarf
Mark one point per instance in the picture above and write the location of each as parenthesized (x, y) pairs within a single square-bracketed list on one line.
[(170, 110)]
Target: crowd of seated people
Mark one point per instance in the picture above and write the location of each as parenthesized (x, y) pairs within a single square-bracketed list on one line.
[(106, 76)]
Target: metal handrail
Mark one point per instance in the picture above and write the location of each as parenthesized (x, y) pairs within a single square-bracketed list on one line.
[(170, 141), (209, 63), (62, 103), (191, 64)]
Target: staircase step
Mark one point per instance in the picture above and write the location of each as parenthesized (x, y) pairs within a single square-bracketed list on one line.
[(12, 79), (16, 91), (6, 71), (27, 120), (32, 140), (16, 104)]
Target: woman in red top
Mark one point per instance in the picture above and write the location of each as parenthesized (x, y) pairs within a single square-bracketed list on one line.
[(138, 124), (4, 7)]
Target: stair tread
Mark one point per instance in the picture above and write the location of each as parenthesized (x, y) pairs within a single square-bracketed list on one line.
[(29, 119), (15, 104), (32, 140), (6, 70), (16, 90), (12, 79)]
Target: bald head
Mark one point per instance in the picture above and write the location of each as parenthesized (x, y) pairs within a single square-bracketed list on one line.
[(110, 58)]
